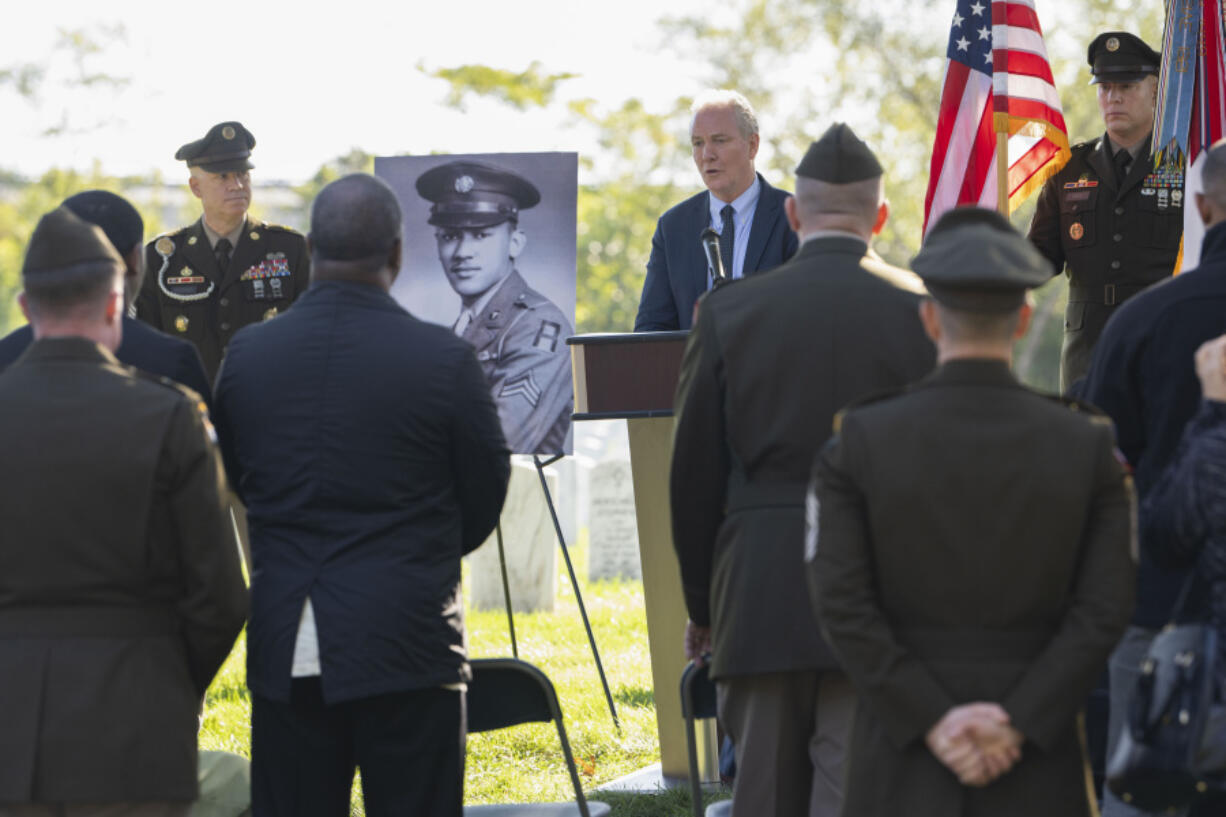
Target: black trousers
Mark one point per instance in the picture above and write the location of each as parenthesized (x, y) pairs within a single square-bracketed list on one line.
[(409, 746)]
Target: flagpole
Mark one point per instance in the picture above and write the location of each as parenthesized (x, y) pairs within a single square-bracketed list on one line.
[(1002, 173)]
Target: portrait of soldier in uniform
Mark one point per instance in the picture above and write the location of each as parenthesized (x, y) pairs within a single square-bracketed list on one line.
[(478, 235)]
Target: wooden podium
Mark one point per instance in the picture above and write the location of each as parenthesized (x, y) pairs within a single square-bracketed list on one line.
[(633, 377)]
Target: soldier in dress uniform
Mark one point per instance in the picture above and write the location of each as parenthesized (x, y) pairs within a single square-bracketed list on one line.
[(1109, 219), (969, 549), (519, 335), (227, 270)]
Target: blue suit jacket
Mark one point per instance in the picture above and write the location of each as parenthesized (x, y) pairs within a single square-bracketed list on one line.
[(143, 347), (367, 448), (677, 270)]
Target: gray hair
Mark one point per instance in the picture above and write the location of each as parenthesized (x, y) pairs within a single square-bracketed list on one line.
[(1213, 174), (746, 119)]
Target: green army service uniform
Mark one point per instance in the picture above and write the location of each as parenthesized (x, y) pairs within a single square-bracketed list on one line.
[(519, 335), (1108, 220), (520, 342), (1112, 240), (186, 293), (970, 540)]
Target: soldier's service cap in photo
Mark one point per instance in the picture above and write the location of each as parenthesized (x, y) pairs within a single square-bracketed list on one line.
[(226, 147), (839, 157), (975, 261), (63, 240), (472, 194), (1117, 56)]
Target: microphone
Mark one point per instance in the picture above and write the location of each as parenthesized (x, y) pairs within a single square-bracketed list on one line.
[(715, 261)]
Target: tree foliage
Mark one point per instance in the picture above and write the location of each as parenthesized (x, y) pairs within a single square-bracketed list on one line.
[(803, 63)]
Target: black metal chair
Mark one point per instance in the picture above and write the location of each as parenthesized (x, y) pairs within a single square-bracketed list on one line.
[(506, 692), (698, 701)]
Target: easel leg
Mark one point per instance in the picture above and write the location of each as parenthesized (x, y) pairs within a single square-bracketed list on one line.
[(574, 583), (506, 590)]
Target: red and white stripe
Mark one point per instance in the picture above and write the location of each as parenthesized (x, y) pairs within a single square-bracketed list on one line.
[(1021, 90)]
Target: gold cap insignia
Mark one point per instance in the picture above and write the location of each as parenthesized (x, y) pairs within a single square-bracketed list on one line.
[(192, 241), (464, 184), (270, 314), (228, 132), (1113, 43), (181, 323), (164, 246), (254, 236), (1076, 231)]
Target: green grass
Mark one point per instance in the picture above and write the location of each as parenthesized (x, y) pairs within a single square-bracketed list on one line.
[(524, 763)]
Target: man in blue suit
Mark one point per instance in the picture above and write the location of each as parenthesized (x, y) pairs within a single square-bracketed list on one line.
[(367, 448), (142, 346), (738, 204)]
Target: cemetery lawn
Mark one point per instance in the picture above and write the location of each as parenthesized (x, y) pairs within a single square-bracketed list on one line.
[(524, 763)]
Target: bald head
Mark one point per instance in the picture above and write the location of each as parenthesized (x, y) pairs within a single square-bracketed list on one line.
[(355, 230)]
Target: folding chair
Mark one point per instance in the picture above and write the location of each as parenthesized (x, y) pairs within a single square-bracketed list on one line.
[(505, 692), (698, 701)]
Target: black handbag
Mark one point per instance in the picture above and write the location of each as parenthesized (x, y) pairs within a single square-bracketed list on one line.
[(1169, 750)]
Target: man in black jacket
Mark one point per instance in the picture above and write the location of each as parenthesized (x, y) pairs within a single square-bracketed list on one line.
[(367, 448), (142, 347)]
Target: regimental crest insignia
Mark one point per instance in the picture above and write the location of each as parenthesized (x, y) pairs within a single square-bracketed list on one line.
[(228, 132), (1076, 231), (1113, 43), (464, 184)]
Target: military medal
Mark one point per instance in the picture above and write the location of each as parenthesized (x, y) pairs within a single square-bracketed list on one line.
[(1076, 231), (181, 323)]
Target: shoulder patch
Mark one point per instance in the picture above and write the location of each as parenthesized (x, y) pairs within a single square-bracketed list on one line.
[(876, 397)]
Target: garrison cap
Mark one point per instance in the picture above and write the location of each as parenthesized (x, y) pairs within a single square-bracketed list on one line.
[(1117, 56), (114, 214), (472, 194), (839, 157), (226, 147), (62, 240), (975, 261)]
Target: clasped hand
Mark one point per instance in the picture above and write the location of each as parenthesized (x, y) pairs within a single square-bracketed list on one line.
[(976, 742)]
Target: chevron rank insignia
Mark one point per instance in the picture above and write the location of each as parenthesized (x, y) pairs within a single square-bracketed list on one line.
[(524, 386)]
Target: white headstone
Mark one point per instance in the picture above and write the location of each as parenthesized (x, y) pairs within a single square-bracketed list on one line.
[(531, 548), (613, 533)]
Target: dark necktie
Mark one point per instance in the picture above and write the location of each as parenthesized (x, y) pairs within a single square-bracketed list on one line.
[(1122, 160), (727, 234), (222, 253)]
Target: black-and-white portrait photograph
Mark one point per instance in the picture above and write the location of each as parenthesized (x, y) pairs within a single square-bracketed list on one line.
[(489, 251)]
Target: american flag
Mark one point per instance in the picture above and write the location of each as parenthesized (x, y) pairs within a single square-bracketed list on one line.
[(997, 80)]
